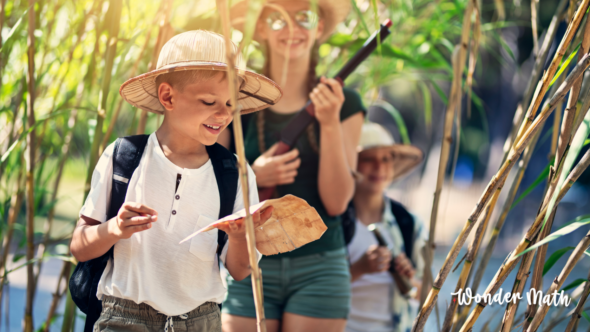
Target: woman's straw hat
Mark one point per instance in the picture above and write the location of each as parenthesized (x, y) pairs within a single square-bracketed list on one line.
[(199, 50), (332, 12), (374, 136)]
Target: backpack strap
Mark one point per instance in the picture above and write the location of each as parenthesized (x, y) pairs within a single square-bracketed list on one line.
[(405, 222), (126, 157), (226, 175), (127, 154)]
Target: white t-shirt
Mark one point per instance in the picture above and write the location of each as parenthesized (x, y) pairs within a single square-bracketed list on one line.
[(376, 303), (151, 267)]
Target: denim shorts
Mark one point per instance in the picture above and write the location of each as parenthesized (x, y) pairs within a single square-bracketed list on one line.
[(120, 315), (316, 285)]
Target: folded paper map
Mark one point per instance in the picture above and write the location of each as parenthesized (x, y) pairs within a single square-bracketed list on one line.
[(293, 224)]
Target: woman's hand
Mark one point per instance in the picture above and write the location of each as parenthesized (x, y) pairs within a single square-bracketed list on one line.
[(327, 98), (236, 229), (276, 170)]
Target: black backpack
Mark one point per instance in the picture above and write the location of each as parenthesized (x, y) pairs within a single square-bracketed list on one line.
[(126, 156), (402, 216)]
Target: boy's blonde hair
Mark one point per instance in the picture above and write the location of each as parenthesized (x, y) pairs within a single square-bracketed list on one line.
[(180, 79)]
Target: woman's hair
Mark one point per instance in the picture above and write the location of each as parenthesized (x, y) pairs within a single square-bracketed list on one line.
[(312, 81)]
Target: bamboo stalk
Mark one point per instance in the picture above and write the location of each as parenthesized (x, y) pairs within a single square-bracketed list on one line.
[(2, 15), (59, 293), (550, 72), (450, 317), (115, 115), (256, 278), (30, 190), (534, 23), (558, 281), (164, 34), (115, 8), (527, 240), (496, 181), (575, 319), (459, 57), (564, 142), (13, 212)]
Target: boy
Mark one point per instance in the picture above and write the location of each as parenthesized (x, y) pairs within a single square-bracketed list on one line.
[(153, 283), (376, 303)]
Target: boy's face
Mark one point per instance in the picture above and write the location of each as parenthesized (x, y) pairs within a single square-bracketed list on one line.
[(376, 166), (201, 110)]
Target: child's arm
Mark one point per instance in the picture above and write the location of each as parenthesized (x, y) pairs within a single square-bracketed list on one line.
[(237, 261), (93, 239), (376, 259)]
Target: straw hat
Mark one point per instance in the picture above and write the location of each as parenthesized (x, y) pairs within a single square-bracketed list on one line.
[(332, 13), (374, 136), (199, 50)]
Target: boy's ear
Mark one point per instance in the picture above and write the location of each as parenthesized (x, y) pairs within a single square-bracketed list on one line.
[(166, 95)]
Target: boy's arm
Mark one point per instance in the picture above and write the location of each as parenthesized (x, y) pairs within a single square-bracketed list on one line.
[(237, 260), (92, 239)]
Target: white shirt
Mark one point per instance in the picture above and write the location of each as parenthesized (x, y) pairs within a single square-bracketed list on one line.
[(376, 303), (151, 267)]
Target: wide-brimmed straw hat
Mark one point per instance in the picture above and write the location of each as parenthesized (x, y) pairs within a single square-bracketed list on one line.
[(199, 50), (332, 12), (375, 136)]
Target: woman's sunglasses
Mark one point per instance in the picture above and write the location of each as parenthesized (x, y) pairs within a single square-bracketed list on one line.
[(306, 19)]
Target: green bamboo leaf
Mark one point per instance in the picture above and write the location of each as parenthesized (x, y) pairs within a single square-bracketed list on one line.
[(564, 65), (542, 177), (502, 43), (427, 99), (557, 234), (397, 117), (440, 92), (573, 284), (7, 45), (586, 142), (360, 16), (554, 258)]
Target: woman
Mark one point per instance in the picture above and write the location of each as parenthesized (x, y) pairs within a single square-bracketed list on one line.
[(307, 289), (377, 304)]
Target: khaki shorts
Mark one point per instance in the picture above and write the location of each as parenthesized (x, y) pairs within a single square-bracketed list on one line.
[(125, 315)]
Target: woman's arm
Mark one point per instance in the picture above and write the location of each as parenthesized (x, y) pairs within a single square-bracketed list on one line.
[(337, 148)]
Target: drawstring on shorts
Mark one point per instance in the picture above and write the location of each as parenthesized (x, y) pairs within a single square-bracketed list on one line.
[(170, 322)]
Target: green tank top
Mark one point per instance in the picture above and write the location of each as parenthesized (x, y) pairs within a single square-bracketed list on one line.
[(306, 182)]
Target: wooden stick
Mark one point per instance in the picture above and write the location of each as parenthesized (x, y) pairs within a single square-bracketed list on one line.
[(242, 166), (30, 180)]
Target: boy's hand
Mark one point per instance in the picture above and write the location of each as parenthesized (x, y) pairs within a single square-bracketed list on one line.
[(327, 98), (132, 218), (236, 229), (376, 259), (404, 266), (276, 170)]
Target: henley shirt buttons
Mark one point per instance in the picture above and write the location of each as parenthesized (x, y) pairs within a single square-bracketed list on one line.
[(177, 197), (173, 212)]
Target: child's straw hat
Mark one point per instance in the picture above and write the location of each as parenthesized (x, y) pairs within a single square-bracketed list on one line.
[(199, 50), (332, 12), (374, 136)]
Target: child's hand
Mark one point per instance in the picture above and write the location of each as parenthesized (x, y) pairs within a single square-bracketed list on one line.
[(376, 259), (132, 218), (327, 98), (236, 229), (404, 266)]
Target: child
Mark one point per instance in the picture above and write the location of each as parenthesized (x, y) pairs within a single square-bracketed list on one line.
[(153, 283), (377, 304)]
